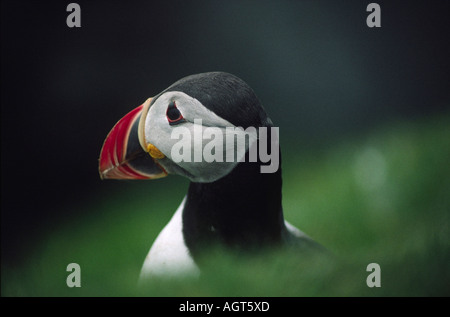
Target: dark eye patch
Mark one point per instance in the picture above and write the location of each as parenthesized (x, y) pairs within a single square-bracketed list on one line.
[(173, 114)]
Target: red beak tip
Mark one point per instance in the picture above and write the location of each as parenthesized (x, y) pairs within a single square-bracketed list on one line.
[(113, 163)]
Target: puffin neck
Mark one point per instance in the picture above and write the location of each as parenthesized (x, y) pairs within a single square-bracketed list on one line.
[(241, 210)]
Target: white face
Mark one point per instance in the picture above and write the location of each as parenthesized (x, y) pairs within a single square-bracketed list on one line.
[(187, 144)]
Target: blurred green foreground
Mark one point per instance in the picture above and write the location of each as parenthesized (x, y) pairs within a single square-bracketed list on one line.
[(383, 197)]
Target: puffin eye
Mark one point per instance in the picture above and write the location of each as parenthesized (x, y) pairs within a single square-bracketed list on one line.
[(174, 115)]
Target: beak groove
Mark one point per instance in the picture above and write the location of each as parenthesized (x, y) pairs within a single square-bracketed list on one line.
[(122, 155)]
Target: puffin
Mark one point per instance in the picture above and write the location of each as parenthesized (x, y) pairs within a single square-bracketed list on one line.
[(231, 201)]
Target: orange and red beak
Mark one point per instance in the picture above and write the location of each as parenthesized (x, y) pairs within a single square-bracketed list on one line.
[(124, 154)]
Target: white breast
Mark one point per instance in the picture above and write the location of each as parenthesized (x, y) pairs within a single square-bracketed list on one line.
[(169, 255)]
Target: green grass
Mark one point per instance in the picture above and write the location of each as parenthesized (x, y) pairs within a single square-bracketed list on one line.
[(382, 197)]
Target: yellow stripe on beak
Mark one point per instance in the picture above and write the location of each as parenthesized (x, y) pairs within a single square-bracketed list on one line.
[(148, 147), (141, 128)]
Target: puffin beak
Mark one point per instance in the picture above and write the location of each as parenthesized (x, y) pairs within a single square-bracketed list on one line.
[(125, 154)]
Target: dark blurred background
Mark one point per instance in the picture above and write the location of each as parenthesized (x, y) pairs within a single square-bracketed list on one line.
[(321, 73)]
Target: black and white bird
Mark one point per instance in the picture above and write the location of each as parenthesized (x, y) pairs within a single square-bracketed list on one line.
[(229, 202)]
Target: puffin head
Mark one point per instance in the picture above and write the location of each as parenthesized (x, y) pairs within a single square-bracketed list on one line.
[(188, 129)]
